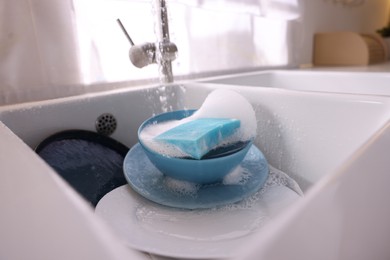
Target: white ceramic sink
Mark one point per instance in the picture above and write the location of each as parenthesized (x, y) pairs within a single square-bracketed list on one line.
[(304, 134), (308, 135), (370, 83)]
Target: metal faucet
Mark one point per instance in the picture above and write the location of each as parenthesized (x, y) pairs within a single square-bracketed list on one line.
[(163, 52)]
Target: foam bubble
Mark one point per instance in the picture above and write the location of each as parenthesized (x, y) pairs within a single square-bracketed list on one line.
[(182, 188), (238, 176)]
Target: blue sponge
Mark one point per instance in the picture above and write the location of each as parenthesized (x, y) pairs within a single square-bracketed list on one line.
[(199, 136)]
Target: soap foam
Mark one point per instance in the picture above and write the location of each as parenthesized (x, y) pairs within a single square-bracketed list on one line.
[(239, 176), (220, 103), (148, 134), (223, 103), (182, 188)]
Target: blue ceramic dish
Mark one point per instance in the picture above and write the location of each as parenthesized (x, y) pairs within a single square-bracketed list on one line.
[(149, 182), (202, 171)]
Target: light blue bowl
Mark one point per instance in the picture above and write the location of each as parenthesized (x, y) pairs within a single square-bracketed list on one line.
[(203, 171)]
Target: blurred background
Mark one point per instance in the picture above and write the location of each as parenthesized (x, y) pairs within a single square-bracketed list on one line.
[(58, 48)]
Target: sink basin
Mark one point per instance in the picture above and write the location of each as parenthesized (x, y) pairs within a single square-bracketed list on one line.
[(308, 135), (370, 83)]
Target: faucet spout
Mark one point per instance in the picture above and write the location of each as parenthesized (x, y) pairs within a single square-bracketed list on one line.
[(162, 20), (167, 49), (162, 53)]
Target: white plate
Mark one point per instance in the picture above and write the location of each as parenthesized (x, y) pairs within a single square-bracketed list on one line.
[(205, 233)]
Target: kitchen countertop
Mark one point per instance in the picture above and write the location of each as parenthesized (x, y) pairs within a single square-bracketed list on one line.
[(379, 67)]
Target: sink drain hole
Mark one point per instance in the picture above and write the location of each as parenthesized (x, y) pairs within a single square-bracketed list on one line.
[(106, 124)]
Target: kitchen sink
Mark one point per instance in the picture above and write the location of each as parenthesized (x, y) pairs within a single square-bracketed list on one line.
[(309, 135)]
